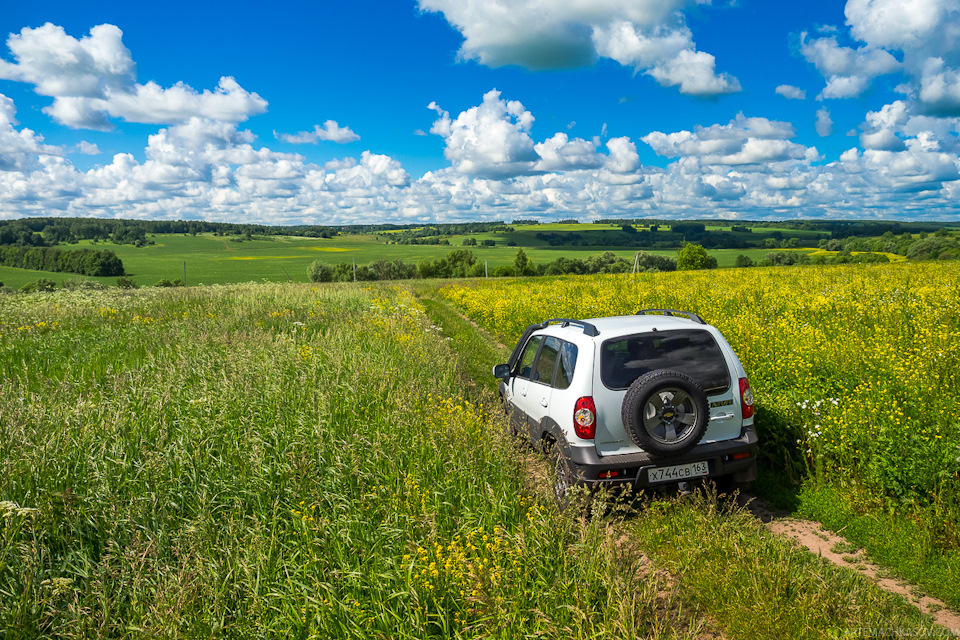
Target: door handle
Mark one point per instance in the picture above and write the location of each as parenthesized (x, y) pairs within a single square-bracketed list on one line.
[(543, 402)]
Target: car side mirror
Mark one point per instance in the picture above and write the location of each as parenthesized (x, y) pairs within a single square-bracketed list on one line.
[(501, 371)]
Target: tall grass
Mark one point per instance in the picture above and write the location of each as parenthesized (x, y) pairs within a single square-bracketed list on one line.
[(278, 461)]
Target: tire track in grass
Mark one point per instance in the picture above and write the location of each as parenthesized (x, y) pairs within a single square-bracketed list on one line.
[(839, 551)]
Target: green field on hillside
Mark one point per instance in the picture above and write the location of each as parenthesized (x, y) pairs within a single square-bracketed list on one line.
[(212, 259)]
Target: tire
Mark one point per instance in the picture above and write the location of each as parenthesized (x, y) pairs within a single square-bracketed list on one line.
[(563, 482), (510, 429), (665, 413), (726, 485)]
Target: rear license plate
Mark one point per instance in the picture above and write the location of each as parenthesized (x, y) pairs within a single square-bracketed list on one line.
[(678, 472)]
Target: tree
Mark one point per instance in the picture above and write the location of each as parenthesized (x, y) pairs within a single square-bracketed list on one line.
[(522, 265), (693, 256), (395, 269), (320, 271), (744, 261), (653, 262)]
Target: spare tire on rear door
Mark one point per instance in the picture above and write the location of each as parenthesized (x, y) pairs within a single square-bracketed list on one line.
[(665, 412)]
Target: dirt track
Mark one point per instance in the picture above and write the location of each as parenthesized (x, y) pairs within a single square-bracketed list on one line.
[(823, 543)]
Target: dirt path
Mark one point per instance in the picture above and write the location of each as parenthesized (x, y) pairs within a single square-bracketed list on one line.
[(840, 552)]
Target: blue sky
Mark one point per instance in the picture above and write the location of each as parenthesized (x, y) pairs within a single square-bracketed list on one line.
[(452, 110)]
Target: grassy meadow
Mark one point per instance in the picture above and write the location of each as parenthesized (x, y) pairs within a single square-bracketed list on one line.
[(856, 371), (304, 461), (269, 461)]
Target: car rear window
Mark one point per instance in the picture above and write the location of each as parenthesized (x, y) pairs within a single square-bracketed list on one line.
[(693, 352)]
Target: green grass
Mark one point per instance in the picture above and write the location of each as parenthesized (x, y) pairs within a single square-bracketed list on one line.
[(288, 460), (913, 545), (479, 351), (759, 585), (277, 461)]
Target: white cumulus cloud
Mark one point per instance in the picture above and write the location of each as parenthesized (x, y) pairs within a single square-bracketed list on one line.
[(748, 167), (331, 131), (848, 71), (93, 79), (940, 87), (790, 92), (560, 153), (743, 141), (490, 140), (898, 24), (824, 123), (651, 36), (916, 38), (20, 149)]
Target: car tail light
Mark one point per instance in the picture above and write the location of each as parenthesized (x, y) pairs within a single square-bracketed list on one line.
[(746, 398), (585, 418)]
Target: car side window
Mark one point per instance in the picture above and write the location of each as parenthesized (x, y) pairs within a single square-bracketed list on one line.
[(524, 368), (547, 362), (568, 362)]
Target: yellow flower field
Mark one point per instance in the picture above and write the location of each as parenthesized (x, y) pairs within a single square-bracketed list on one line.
[(855, 368)]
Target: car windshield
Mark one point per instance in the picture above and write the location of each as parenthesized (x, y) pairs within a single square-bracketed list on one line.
[(693, 352)]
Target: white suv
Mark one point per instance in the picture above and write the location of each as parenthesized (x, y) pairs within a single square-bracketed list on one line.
[(654, 398)]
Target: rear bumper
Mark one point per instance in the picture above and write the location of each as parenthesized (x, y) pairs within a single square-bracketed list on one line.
[(736, 458)]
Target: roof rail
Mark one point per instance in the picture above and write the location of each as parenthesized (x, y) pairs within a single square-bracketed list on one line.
[(672, 312), (588, 328)]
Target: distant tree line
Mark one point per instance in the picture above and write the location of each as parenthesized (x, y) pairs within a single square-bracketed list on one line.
[(640, 233), (435, 234), (462, 263), (49, 232), (836, 228), (940, 245), (88, 262)]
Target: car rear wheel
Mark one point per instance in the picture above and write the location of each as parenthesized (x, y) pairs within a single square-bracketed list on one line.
[(665, 412)]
